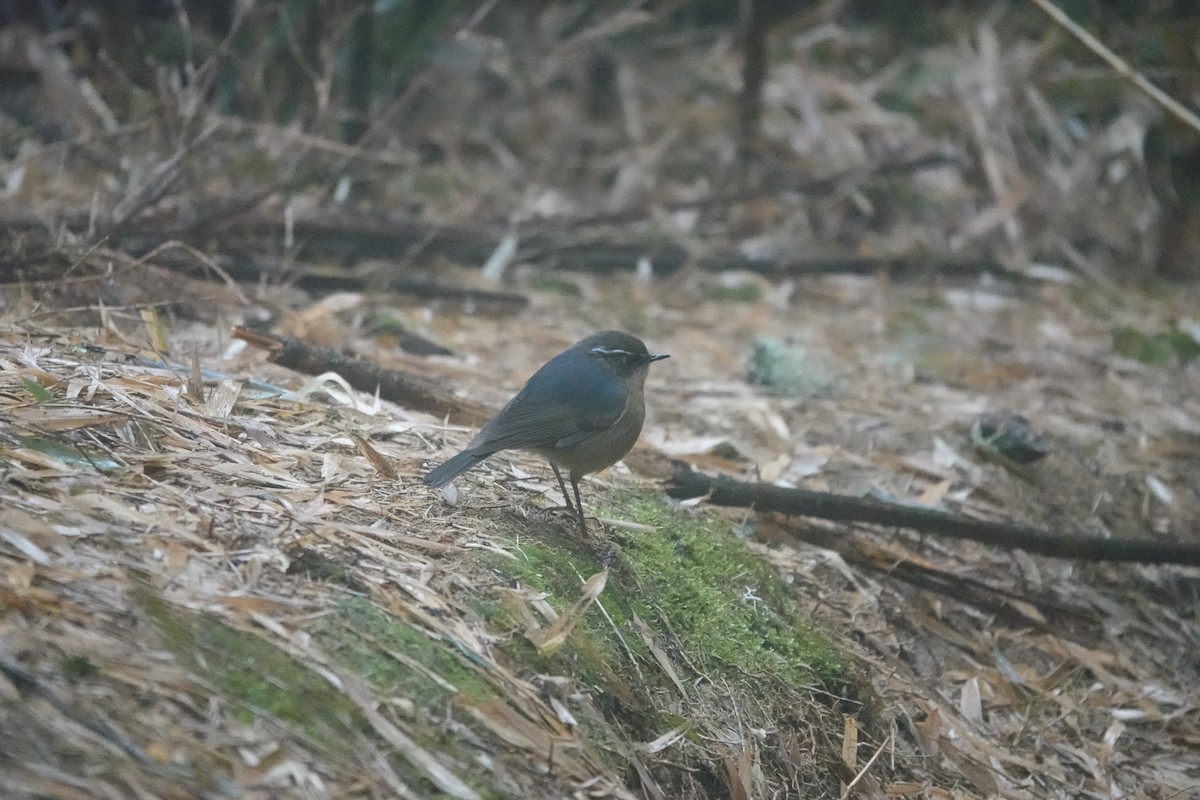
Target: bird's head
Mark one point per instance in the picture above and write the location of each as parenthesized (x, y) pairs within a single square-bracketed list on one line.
[(623, 354)]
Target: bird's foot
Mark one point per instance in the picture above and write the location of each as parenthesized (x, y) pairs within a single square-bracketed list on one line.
[(571, 514)]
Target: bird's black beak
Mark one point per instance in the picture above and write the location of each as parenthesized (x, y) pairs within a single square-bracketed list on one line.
[(658, 357)]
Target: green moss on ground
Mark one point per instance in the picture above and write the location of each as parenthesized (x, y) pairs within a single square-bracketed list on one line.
[(262, 680), (400, 659), (743, 292), (728, 604), (259, 678), (730, 609)]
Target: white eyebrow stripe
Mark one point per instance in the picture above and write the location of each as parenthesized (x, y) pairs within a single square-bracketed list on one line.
[(605, 351)]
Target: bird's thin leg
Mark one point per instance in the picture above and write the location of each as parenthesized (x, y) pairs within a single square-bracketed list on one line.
[(563, 487), (578, 505)]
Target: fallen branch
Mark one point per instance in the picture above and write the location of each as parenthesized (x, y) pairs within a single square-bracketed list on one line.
[(553, 244), (765, 497), (406, 389)]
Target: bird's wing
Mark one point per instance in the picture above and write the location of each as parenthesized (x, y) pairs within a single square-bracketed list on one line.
[(559, 413)]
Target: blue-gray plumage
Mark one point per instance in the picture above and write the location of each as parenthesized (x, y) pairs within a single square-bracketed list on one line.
[(583, 411)]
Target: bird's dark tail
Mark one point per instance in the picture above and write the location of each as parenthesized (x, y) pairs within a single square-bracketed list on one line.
[(444, 473)]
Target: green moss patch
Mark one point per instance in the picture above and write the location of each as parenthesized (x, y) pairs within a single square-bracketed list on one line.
[(1162, 347), (260, 677), (398, 658), (729, 606), (732, 613)]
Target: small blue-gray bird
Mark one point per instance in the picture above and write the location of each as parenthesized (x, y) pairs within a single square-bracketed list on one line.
[(582, 411)]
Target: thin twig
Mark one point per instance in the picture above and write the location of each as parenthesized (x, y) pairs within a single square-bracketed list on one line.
[(867, 766), (1173, 106), (230, 283)]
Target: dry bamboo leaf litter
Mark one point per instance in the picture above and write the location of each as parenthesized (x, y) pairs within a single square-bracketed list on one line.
[(212, 516)]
